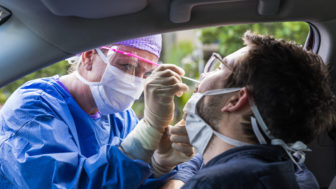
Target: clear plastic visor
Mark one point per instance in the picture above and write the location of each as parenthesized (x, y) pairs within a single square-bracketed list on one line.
[(129, 61)]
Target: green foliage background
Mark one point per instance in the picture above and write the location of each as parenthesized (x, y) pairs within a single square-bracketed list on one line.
[(59, 68), (228, 39)]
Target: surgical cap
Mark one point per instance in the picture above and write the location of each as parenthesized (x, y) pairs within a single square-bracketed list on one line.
[(152, 43)]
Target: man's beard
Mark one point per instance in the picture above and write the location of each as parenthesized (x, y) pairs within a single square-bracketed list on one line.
[(210, 112)]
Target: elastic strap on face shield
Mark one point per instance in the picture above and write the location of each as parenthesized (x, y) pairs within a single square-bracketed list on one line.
[(102, 56)]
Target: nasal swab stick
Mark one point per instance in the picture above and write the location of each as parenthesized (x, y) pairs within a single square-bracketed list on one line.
[(190, 79)]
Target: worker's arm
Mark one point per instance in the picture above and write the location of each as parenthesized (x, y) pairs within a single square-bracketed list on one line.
[(44, 150), (160, 88)]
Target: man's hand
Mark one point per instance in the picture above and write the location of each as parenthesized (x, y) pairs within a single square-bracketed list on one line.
[(174, 148), (161, 87), (180, 140)]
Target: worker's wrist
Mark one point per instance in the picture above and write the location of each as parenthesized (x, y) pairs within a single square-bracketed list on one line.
[(159, 170), (141, 142), (156, 121), (164, 162), (153, 125)]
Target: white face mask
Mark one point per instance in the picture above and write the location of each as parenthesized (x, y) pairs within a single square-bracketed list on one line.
[(199, 132), (116, 91)]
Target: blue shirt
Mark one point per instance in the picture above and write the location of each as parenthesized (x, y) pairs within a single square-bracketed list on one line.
[(48, 141), (255, 166), (185, 171)]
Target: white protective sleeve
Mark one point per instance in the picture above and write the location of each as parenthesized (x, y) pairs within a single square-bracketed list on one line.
[(141, 142)]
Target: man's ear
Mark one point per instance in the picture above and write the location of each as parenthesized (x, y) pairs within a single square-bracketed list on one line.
[(87, 59), (237, 101)]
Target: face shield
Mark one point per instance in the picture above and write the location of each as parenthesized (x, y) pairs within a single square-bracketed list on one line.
[(129, 61)]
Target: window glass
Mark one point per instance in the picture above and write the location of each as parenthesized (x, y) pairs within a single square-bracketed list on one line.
[(189, 50)]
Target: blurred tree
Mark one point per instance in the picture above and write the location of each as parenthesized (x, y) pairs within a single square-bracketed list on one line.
[(59, 68), (178, 55), (229, 37)]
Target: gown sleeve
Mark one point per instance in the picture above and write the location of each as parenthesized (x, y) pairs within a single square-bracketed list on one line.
[(38, 150)]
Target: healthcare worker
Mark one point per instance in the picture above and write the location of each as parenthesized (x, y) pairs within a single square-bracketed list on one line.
[(75, 131)]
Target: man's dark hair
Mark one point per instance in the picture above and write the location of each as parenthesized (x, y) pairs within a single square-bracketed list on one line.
[(289, 86)]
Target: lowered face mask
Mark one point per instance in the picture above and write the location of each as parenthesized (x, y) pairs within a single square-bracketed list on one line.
[(116, 91), (199, 132)]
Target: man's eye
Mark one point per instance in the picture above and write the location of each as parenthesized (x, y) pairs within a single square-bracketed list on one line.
[(222, 66)]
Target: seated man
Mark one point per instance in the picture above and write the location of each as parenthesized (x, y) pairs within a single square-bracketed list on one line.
[(252, 116)]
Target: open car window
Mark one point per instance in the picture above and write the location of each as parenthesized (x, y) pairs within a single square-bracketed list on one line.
[(190, 49), (37, 33)]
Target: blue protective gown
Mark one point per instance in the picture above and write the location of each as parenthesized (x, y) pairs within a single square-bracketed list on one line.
[(48, 141)]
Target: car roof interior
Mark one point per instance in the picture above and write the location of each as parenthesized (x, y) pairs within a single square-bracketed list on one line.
[(38, 33)]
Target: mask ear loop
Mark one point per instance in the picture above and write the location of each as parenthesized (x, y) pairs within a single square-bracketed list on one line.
[(229, 140), (298, 147), (220, 91), (257, 132), (81, 78), (102, 56)]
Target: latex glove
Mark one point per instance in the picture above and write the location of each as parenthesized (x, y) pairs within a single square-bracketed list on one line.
[(174, 148), (160, 88)]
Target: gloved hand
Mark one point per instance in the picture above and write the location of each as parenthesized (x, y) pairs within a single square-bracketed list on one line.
[(174, 148), (161, 87)]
